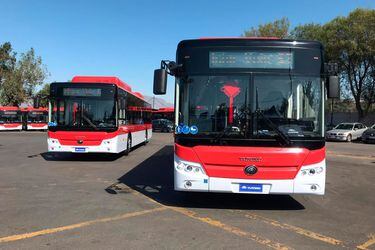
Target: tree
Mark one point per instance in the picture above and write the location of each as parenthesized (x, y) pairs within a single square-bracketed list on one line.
[(310, 31), (7, 63), (43, 94), (351, 42), (12, 93), (278, 28), (32, 71), (19, 78)]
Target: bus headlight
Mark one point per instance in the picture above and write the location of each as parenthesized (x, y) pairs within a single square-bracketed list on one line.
[(312, 171), (188, 167)]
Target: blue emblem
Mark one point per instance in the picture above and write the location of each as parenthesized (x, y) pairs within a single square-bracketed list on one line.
[(179, 130), (52, 124), (185, 129), (193, 130)]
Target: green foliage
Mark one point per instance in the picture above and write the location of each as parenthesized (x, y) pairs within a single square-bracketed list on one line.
[(12, 93), (43, 94), (32, 72), (350, 41), (310, 31), (19, 78), (278, 28), (7, 60)]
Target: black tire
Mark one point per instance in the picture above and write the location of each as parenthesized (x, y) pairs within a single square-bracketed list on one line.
[(349, 138), (128, 145)]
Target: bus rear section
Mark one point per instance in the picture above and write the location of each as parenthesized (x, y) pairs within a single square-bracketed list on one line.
[(164, 113), (35, 118), (10, 118), (249, 115), (97, 115)]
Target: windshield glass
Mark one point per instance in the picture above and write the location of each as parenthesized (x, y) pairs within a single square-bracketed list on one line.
[(227, 105), (10, 117), (37, 117), (344, 126), (84, 113)]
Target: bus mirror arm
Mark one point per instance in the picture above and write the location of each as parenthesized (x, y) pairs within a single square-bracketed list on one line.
[(171, 67)]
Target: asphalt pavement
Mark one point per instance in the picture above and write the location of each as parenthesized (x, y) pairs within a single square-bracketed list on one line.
[(128, 202)]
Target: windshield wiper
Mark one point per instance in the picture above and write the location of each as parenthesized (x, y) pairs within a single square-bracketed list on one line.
[(284, 138), (89, 122)]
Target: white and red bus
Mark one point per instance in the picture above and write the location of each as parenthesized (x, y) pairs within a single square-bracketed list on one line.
[(10, 118), (163, 113), (35, 118), (249, 115), (97, 115)]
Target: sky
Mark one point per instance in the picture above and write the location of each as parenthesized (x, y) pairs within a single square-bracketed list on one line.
[(129, 38)]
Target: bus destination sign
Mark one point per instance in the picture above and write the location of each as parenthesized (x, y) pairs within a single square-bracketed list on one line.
[(85, 92), (251, 59)]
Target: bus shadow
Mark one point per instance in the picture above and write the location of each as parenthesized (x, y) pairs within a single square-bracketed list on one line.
[(154, 178), (67, 156)]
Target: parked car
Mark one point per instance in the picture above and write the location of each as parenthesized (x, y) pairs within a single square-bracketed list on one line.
[(162, 125), (369, 135), (346, 132)]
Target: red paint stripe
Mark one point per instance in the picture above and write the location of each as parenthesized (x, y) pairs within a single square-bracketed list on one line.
[(37, 125), (11, 125)]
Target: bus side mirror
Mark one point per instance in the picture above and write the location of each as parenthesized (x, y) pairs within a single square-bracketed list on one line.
[(333, 87), (160, 81)]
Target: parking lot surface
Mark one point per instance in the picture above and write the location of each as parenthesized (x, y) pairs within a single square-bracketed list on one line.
[(126, 202)]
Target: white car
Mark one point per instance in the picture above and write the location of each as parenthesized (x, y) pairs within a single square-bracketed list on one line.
[(346, 132)]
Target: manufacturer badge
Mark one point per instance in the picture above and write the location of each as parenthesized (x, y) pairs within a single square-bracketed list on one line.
[(250, 170)]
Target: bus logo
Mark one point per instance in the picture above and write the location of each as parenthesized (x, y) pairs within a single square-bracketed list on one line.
[(250, 170)]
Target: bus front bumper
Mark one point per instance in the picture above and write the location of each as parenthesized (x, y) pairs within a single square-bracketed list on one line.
[(113, 145), (194, 179)]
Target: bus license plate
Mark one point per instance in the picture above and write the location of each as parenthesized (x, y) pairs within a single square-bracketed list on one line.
[(80, 150), (249, 187)]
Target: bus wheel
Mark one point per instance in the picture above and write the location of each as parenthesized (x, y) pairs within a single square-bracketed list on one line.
[(128, 145)]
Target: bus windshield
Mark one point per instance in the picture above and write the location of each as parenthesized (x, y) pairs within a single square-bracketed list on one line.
[(37, 117), (84, 113), (230, 105), (10, 117)]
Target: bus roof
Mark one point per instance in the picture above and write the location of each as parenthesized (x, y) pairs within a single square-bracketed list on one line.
[(162, 110), (242, 37), (9, 108), (108, 80), (34, 109), (249, 41), (103, 79)]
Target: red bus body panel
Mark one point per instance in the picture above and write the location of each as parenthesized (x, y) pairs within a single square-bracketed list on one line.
[(229, 161), (13, 124), (93, 138), (33, 124)]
